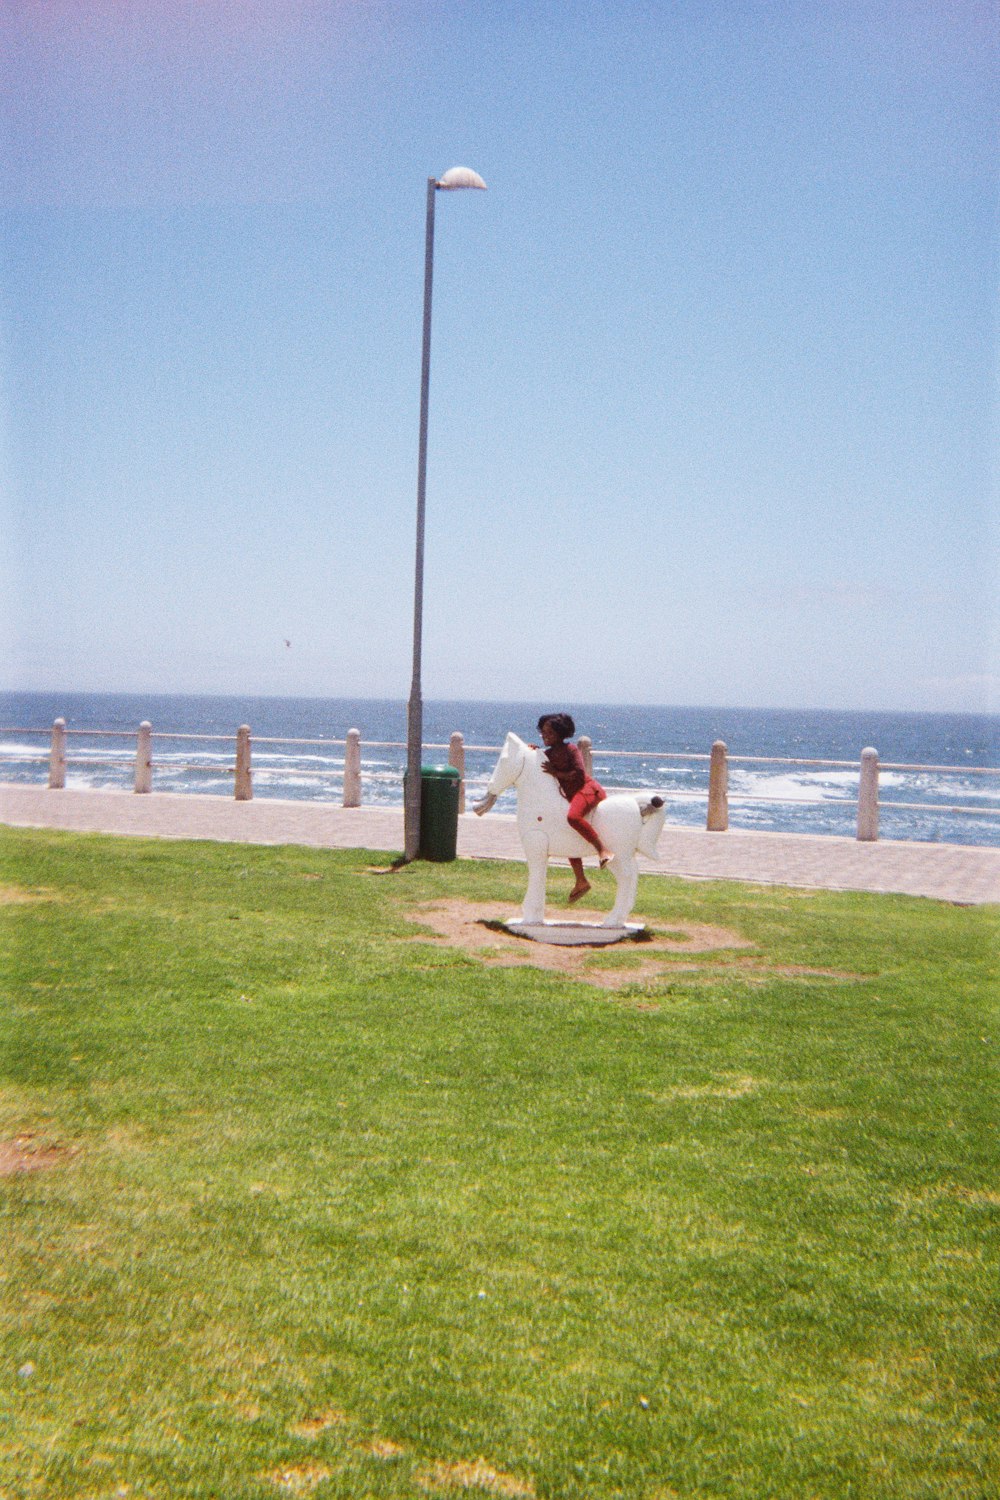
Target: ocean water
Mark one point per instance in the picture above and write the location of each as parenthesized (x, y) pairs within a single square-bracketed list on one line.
[(793, 798)]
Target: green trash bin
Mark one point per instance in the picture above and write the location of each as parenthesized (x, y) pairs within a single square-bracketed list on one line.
[(439, 787)]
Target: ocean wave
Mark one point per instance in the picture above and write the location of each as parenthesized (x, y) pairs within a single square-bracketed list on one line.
[(788, 788), (17, 751)]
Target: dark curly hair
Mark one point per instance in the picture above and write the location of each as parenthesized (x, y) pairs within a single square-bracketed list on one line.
[(561, 723)]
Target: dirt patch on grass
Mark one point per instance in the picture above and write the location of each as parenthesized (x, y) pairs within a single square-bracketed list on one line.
[(980, 1197), (800, 971), (313, 1426), (384, 1448), (23, 1153), (986, 1197), (476, 928), (727, 1086), (477, 1476), (299, 1479), (17, 895)]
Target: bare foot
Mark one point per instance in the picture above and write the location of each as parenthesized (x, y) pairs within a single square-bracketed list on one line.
[(578, 891)]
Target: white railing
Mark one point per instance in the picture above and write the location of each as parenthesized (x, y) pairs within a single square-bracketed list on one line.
[(716, 794)]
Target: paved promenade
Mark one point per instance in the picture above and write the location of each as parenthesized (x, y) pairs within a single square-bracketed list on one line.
[(945, 872)]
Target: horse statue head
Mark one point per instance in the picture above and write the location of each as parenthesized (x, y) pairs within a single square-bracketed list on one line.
[(507, 770)]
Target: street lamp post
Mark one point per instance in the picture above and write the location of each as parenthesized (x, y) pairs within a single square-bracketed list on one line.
[(457, 177)]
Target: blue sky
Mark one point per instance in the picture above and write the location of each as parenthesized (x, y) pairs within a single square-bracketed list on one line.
[(713, 391)]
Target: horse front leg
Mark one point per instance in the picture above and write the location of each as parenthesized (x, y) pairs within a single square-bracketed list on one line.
[(625, 869), (536, 852)]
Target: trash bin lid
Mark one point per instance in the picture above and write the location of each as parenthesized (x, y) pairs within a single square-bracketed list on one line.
[(444, 773)]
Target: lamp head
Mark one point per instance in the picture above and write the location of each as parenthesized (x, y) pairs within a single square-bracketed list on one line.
[(460, 177)]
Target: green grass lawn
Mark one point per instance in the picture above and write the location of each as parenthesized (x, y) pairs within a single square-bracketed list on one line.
[(330, 1208)]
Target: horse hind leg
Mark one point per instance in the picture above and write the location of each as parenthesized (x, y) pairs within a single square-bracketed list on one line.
[(626, 873)]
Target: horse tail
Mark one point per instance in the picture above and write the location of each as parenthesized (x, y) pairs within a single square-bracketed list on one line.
[(653, 814)]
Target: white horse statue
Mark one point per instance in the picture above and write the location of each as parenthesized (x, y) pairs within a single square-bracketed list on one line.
[(627, 825)]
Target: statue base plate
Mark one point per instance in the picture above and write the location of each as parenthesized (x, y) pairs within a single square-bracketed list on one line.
[(576, 934)]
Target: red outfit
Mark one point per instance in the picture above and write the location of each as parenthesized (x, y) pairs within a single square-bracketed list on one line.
[(581, 791)]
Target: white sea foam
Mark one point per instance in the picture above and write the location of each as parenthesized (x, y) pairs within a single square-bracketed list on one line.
[(16, 748), (789, 787)]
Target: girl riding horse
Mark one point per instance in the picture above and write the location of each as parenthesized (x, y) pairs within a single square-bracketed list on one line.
[(564, 761)]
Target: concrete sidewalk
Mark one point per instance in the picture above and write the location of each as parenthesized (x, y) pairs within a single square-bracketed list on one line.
[(946, 872)]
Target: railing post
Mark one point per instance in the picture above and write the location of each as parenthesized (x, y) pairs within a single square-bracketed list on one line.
[(718, 789), (584, 745), (352, 769), (868, 796), (144, 757), (57, 756), (456, 758), (244, 779)]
